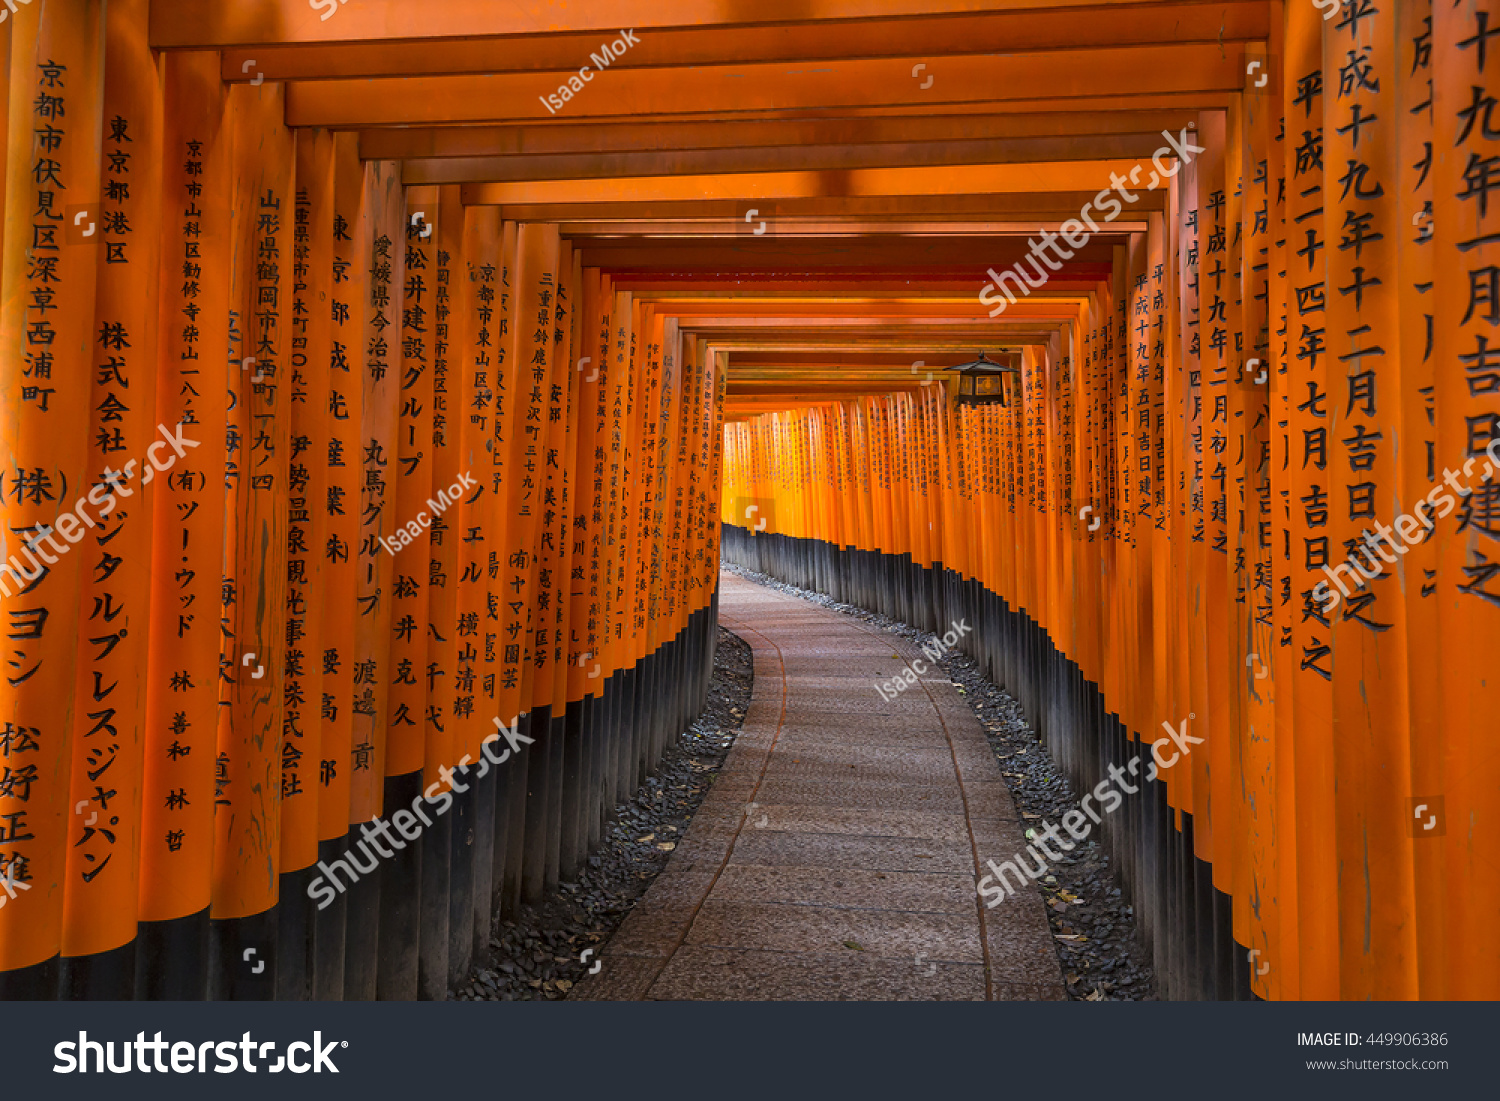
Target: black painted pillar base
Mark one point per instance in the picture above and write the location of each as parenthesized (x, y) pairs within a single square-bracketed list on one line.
[(400, 890), (171, 960), (432, 912), (242, 954), (538, 786), (329, 924), (100, 977), (461, 883), (295, 950)]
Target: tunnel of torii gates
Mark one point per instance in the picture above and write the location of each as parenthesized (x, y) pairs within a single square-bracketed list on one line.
[(489, 355)]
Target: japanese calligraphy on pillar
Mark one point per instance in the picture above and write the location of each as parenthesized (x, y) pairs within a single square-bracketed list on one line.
[(308, 369), (476, 509), (344, 415), (442, 560), (1466, 270), (537, 255), (253, 663), (380, 244), (1364, 387), (182, 674), (47, 337), (413, 474), (102, 894)]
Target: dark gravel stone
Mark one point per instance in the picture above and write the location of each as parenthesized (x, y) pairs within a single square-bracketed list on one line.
[(534, 955)]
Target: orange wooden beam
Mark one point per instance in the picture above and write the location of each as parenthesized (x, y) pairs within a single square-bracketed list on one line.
[(1119, 72), (560, 136), (1087, 176), (930, 36), (187, 23)]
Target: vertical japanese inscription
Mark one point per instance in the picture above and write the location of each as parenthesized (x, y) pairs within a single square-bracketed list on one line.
[(48, 348)]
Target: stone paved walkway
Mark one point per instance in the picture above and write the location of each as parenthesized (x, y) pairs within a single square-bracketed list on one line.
[(836, 856)]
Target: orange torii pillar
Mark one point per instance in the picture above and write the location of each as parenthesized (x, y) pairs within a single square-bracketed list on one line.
[(247, 822), (535, 282), (102, 890), (442, 573), (588, 412), (1308, 673), (47, 336), (478, 310), (308, 372), (407, 621), (182, 671), (1465, 308), (379, 239), (559, 462), (343, 401)]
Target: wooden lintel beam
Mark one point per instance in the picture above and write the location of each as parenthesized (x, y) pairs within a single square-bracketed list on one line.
[(730, 326), (582, 234), (675, 162), (935, 345), (1027, 205), (966, 306), (930, 37), (1086, 176), (180, 24), (930, 255), (1120, 72), (625, 135)]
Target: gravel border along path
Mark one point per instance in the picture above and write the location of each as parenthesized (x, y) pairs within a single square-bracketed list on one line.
[(534, 956)]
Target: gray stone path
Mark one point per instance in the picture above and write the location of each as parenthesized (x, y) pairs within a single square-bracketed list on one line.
[(836, 856)]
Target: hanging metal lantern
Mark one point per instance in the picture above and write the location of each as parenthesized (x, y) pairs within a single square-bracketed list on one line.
[(985, 381)]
